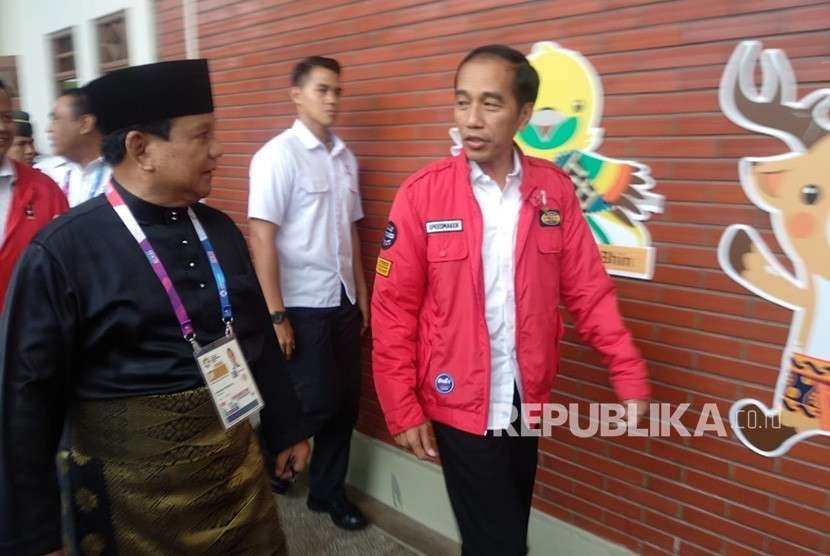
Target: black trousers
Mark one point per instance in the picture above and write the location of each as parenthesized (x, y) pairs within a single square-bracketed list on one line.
[(490, 484), (325, 369)]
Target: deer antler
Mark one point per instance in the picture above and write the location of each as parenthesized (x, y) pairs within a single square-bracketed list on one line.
[(774, 110)]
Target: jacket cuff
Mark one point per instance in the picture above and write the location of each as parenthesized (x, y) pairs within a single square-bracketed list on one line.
[(404, 418), (632, 390)]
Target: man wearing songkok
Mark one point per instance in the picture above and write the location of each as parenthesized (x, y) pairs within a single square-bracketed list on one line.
[(28, 199), (23, 145), (118, 322)]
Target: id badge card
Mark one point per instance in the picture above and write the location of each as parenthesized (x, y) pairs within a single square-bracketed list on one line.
[(232, 387)]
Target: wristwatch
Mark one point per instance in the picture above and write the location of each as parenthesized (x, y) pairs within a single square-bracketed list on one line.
[(277, 317)]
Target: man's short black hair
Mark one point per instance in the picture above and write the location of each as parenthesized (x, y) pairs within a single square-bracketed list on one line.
[(525, 79), (80, 101), (3, 86), (113, 148), (303, 68)]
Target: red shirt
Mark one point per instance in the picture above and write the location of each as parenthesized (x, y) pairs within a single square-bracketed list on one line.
[(431, 356), (36, 200)]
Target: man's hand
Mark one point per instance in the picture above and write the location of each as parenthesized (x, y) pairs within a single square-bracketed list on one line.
[(285, 336), (363, 304), (292, 460), (420, 441), (640, 406)]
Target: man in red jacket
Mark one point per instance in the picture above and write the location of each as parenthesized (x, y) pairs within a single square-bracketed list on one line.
[(478, 253), (28, 199)]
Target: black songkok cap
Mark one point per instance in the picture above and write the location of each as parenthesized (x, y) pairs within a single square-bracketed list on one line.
[(145, 94), (21, 123)]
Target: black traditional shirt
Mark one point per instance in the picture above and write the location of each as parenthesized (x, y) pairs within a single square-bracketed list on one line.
[(86, 318)]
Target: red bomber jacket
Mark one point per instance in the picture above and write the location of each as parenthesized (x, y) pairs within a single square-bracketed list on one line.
[(431, 353)]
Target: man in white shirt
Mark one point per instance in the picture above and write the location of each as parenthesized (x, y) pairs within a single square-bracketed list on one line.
[(303, 205), (77, 168)]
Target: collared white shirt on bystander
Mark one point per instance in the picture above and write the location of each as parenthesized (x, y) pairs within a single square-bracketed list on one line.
[(78, 183), (7, 178), (311, 193)]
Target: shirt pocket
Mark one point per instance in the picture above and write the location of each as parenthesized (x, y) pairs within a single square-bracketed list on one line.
[(549, 240), (446, 247), (314, 185)]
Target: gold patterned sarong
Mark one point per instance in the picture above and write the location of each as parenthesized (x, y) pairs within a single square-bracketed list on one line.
[(159, 475)]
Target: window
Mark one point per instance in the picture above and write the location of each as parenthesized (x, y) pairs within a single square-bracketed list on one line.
[(112, 43), (8, 75), (63, 55)]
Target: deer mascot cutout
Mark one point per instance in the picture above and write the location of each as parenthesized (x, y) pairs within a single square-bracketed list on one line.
[(794, 188)]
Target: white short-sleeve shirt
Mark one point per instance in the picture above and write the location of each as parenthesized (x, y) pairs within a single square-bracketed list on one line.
[(78, 183), (312, 195), (7, 178)]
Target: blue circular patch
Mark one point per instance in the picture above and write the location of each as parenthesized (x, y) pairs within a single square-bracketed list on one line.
[(390, 234), (444, 383)]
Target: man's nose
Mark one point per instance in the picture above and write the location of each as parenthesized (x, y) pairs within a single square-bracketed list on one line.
[(474, 118)]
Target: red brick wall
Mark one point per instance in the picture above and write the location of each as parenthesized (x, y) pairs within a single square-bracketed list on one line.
[(705, 337), (169, 30)]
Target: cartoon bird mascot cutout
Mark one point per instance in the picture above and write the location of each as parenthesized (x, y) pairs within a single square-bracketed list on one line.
[(615, 194)]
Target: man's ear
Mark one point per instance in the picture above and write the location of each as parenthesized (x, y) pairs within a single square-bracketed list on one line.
[(294, 94), (136, 144), (88, 123), (525, 113)]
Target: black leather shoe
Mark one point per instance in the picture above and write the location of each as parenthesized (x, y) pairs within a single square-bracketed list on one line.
[(343, 513), (280, 486)]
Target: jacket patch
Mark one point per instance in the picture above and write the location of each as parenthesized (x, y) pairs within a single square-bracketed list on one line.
[(383, 267), (390, 234), (438, 226), (444, 383), (550, 218)]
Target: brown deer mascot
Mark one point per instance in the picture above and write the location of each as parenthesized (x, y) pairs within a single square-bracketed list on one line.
[(794, 188)]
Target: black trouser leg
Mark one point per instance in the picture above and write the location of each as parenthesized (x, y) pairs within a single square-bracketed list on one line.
[(489, 480), (330, 460)]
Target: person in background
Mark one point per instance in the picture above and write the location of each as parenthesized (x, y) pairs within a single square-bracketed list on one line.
[(302, 208), (78, 167), (28, 199), (479, 252), (23, 146)]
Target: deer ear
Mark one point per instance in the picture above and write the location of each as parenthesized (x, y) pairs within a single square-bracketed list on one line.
[(769, 183), (769, 177)]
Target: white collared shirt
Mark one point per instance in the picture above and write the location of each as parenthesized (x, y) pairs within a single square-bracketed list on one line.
[(311, 193), (500, 217), (7, 178), (78, 183)]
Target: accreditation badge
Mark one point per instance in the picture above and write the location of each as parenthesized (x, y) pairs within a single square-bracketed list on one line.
[(230, 381)]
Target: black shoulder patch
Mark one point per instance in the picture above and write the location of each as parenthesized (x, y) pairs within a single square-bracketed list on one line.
[(390, 234)]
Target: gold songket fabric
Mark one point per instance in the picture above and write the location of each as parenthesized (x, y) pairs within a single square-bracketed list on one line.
[(159, 475)]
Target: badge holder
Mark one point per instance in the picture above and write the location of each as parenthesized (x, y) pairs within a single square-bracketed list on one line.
[(228, 377)]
